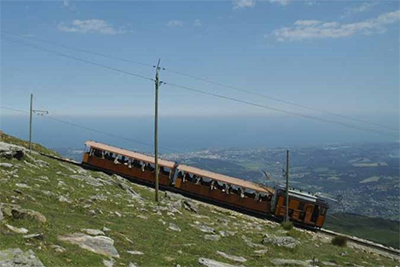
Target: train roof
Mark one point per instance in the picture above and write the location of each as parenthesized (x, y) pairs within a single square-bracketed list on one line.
[(225, 179), (130, 154)]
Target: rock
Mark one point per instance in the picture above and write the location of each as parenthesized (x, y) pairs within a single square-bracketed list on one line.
[(250, 243), (132, 265), (105, 229), (93, 232), (344, 253), (17, 230), (231, 257), (22, 185), (289, 262), (17, 257), (6, 165), (191, 206), (118, 214), (226, 233), (177, 204), (135, 252), (10, 151), (328, 263), (64, 199), (261, 251), (281, 241), (204, 228), (98, 244), (109, 263), (214, 263), (174, 227), (58, 249), (98, 197), (212, 237), (142, 217), (17, 212), (1, 213), (128, 189), (88, 179), (34, 236)]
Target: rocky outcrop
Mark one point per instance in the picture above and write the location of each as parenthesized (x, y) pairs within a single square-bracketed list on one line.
[(190, 206), (98, 244), (231, 257), (10, 151), (16, 212), (16, 257), (280, 241), (214, 263)]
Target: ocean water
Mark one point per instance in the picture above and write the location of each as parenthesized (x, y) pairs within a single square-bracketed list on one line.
[(183, 134)]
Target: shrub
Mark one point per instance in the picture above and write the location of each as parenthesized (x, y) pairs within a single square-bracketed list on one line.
[(340, 241), (287, 225)]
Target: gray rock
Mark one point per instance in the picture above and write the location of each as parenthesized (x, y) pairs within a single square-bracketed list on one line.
[(6, 165), (214, 263), (226, 233), (204, 228), (231, 257), (22, 185), (289, 262), (17, 212), (98, 244), (261, 251), (212, 237), (174, 227), (16, 257), (191, 206), (344, 253), (250, 243), (1, 213), (177, 204), (98, 197), (93, 232), (280, 241), (64, 199), (328, 263), (88, 179), (10, 151), (58, 249), (132, 265), (135, 252), (105, 229), (109, 263), (17, 230)]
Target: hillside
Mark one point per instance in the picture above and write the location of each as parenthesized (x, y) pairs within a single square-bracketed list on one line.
[(57, 214), (378, 230)]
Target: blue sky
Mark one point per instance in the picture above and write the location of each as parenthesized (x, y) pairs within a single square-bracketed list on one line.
[(339, 56)]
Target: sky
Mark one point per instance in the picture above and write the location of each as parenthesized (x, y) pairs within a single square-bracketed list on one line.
[(337, 56)]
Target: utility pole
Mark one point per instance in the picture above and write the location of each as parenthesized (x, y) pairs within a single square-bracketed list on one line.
[(30, 125), (157, 84), (287, 186), (39, 112)]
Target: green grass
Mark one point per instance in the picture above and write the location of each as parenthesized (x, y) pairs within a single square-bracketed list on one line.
[(161, 247)]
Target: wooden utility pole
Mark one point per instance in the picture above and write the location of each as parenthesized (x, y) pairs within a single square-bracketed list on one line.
[(30, 125), (287, 186), (157, 84)]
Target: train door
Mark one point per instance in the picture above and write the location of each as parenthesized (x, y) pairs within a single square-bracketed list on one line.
[(309, 212)]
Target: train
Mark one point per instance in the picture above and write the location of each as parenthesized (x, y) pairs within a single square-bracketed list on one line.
[(304, 209)]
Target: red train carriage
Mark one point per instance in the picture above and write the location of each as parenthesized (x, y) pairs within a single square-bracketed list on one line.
[(304, 209)]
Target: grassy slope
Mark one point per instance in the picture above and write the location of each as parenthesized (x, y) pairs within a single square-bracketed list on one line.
[(375, 229), (150, 236), (15, 141)]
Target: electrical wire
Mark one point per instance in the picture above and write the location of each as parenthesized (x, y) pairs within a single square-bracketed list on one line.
[(212, 82), (207, 93), (49, 117)]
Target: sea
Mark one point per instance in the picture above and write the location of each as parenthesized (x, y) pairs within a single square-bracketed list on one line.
[(178, 134)]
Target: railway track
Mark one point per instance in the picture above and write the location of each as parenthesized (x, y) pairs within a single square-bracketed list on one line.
[(388, 250), (364, 242)]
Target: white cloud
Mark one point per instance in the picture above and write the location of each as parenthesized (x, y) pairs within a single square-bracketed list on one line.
[(197, 23), (314, 29), (175, 23), (359, 8), (243, 3), (89, 26), (66, 3)]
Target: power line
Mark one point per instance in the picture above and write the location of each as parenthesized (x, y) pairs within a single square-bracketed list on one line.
[(204, 92), (90, 129), (213, 83), (76, 58), (279, 110)]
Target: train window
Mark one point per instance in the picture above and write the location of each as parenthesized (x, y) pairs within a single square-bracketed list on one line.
[(301, 206), (250, 193), (322, 211)]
